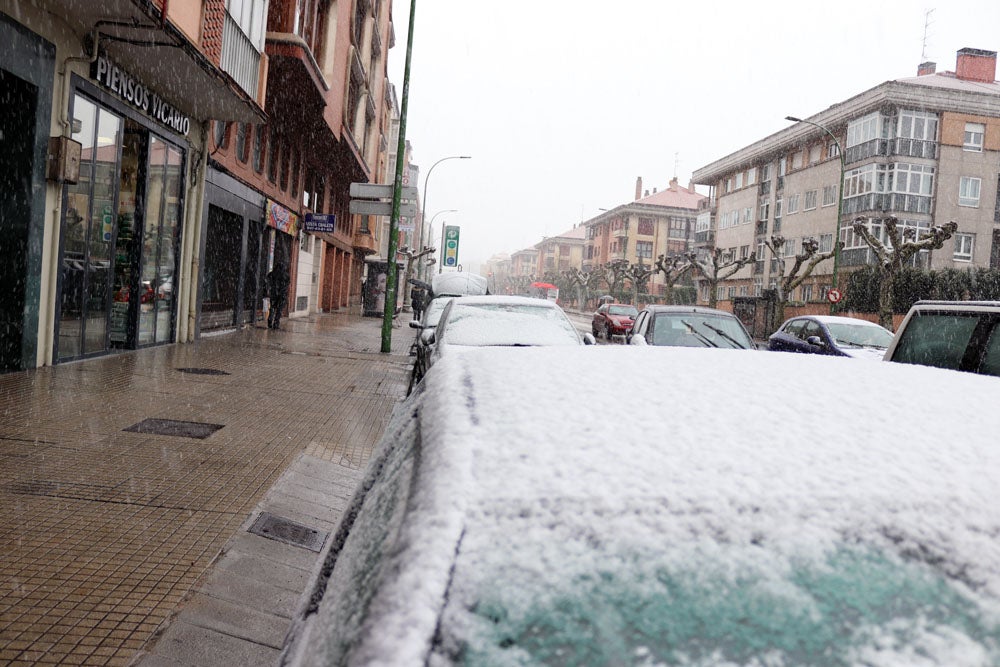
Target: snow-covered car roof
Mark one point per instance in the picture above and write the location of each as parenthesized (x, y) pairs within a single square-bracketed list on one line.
[(504, 321), (825, 519), (837, 319), (458, 284)]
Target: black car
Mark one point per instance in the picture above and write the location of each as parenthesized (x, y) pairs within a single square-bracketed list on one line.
[(689, 326)]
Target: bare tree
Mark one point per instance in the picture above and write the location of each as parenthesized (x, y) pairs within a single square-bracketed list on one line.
[(716, 267), (638, 275), (803, 267), (614, 275), (582, 282), (674, 268), (893, 255)]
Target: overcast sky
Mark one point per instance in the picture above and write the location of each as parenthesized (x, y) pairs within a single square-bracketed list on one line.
[(563, 103)]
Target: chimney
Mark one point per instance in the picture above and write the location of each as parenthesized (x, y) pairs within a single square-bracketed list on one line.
[(673, 184), (923, 69), (638, 187), (646, 193), (654, 191), (976, 65), (691, 186)]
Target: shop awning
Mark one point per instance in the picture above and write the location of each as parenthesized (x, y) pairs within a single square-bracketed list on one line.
[(132, 34)]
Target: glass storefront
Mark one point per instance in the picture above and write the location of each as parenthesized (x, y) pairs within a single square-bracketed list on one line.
[(120, 233)]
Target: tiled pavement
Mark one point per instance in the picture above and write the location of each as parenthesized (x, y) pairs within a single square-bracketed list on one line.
[(118, 546)]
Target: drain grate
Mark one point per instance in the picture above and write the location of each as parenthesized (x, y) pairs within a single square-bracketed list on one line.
[(285, 530), (202, 371), (180, 429)]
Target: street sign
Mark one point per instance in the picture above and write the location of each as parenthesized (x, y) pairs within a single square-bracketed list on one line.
[(451, 245), (834, 296), (371, 207), (380, 191), (321, 222)]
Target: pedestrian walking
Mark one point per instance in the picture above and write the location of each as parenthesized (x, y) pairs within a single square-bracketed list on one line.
[(417, 297), (277, 290)]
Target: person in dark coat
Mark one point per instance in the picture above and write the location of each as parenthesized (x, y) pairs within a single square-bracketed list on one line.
[(417, 301), (277, 290)]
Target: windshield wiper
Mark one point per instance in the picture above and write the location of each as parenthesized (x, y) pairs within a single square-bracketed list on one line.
[(700, 336), (722, 333)]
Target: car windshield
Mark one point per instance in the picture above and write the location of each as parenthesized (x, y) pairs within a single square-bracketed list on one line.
[(699, 330), (859, 335), (630, 311), (508, 324)]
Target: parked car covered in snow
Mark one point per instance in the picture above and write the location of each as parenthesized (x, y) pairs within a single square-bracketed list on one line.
[(832, 335), (488, 530)]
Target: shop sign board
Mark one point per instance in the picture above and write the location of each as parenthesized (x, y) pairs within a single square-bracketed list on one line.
[(132, 90), (321, 222), (282, 219)]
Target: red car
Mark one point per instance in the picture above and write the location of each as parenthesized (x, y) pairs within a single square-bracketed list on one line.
[(613, 319)]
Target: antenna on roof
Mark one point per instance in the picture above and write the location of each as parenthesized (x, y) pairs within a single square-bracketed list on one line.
[(927, 25)]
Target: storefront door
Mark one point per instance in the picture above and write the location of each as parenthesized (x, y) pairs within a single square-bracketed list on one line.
[(128, 199)]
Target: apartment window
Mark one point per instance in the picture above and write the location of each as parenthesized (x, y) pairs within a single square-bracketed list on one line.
[(220, 135), (974, 137), (644, 249), (645, 227), (829, 195), (765, 209), (914, 179), (807, 293), (729, 184), (285, 166), (811, 196), (758, 286), (793, 204), (860, 181), (797, 158), (864, 129), (765, 172), (778, 208), (918, 125), (739, 180), (744, 251), (832, 149), (743, 290), (258, 149), (782, 166), (296, 160), (679, 226), (968, 191), (815, 153), (788, 250), (761, 251), (751, 175), (272, 156), (825, 242), (963, 247), (732, 291), (241, 142)]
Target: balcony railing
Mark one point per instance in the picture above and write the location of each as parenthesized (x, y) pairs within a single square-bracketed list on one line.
[(239, 57), (888, 202), (898, 146)]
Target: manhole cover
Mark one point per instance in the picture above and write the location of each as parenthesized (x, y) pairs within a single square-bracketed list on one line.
[(174, 427), (288, 531), (202, 371)]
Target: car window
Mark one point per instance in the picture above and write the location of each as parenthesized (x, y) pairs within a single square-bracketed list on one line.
[(639, 326), (794, 328), (622, 310), (699, 330), (991, 355), (507, 324), (811, 328), (936, 339), (859, 335)]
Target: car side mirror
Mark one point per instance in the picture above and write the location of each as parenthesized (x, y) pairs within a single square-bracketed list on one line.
[(588, 339), (638, 339), (815, 340), (415, 324)]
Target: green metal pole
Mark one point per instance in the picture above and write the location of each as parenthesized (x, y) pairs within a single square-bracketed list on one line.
[(391, 279)]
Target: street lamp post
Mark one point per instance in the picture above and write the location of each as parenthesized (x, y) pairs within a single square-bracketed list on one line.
[(423, 202), (840, 201)]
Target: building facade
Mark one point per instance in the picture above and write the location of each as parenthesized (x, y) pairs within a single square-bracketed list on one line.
[(654, 224), (924, 149), (105, 130), (560, 253)]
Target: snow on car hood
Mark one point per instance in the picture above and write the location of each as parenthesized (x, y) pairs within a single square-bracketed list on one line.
[(719, 509), (869, 353)]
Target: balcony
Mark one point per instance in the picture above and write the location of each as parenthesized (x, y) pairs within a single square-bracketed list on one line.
[(364, 242), (706, 237), (620, 233), (293, 72), (761, 228), (239, 57), (888, 147), (894, 202)]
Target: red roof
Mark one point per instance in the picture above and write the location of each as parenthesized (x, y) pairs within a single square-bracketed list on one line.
[(676, 196)]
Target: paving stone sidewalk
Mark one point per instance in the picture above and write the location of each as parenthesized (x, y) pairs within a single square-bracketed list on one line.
[(129, 486)]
